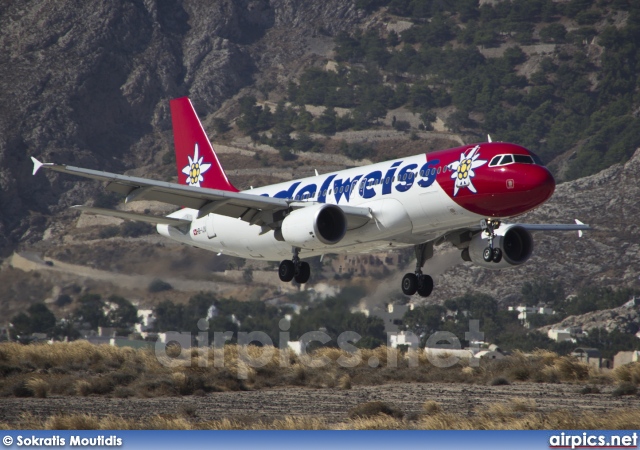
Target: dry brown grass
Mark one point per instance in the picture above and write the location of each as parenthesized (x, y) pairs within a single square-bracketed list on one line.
[(80, 368), (39, 387), (629, 373), (431, 407), (516, 414)]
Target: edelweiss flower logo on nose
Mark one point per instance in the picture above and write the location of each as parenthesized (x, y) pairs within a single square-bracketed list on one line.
[(463, 169), (195, 169)]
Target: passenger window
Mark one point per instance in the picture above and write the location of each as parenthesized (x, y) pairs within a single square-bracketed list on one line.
[(387, 180), (438, 170), (346, 189), (506, 159)]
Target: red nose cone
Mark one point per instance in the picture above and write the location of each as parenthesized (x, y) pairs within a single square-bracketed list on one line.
[(508, 191), (538, 184)]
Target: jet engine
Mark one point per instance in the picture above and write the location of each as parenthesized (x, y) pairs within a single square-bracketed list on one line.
[(514, 241), (313, 226)]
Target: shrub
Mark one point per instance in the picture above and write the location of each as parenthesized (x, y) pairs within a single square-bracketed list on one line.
[(123, 392), (135, 229), (108, 232), (38, 386), (628, 373), (158, 285), (22, 390), (401, 125), (372, 409), (500, 381), (625, 389), (589, 390), (431, 407), (345, 382)]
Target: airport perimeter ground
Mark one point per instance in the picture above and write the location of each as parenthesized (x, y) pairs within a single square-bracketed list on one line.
[(467, 405)]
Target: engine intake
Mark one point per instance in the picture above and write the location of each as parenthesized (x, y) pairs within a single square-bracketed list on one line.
[(515, 242), (314, 226)]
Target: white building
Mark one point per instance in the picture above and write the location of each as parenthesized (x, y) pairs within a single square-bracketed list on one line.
[(391, 315), (560, 335), (147, 320), (524, 312), (404, 338)]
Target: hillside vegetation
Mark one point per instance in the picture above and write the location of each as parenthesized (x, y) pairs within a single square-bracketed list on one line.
[(552, 76)]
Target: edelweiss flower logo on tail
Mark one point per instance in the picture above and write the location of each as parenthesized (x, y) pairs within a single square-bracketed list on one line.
[(463, 169), (195, 169)]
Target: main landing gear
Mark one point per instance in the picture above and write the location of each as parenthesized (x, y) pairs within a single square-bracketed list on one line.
[(418, 282), (294, 269), (489, 253)]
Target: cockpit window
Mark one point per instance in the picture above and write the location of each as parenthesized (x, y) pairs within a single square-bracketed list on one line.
[(524, 159), (506, 159), (536, 160), (503, 160)]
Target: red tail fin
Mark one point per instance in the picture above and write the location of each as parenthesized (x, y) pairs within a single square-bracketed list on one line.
[(196, 160)]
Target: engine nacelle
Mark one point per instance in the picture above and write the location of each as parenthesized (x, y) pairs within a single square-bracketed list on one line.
[(515, 242), (313, 226)]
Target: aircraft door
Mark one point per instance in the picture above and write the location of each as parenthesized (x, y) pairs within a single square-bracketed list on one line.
[(211, 233)]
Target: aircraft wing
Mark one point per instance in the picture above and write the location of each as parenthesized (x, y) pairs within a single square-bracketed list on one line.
[(578, 226), (255, 209), (133, 216)]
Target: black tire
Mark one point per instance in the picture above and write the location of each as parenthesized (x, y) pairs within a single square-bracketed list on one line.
[(286, 271), (487, 254), (497, 255), (409, 284), (304, 272), (425, 286)]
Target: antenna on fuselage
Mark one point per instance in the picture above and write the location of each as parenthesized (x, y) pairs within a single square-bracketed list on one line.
[(489, 138)]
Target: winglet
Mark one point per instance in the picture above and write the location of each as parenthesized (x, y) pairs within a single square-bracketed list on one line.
[(579, 231), (36, 165)]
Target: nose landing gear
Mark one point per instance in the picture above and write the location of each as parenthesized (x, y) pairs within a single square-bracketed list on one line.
[(490, 253)]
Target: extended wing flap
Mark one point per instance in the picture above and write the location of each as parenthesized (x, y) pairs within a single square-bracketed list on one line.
[(132, 216)]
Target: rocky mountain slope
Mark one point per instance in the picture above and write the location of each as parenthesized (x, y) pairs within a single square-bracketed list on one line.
[(88, 84), (624, 319)]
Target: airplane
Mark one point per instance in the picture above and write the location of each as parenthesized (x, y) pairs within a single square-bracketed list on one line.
[(460, 195)]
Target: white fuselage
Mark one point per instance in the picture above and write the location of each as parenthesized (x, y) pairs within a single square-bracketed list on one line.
[(407, 204)]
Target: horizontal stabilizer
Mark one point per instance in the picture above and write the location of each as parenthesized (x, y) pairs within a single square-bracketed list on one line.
[(554, 226), (133, 216)]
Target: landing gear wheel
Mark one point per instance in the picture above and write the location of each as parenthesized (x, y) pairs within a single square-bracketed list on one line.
[(409, 284), (425, 285), (286, 271), (304, 272), (497, 255), (487, 254)]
